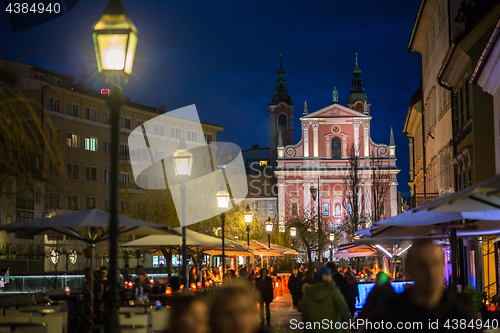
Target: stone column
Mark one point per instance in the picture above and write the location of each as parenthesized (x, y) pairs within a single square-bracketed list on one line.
[(307, 197), (281, 205), (394, 197), (344, 145), (315, 127), (368, 202), (356, 138), (328, 144), (305, 130), (360, 200), (366, 137)]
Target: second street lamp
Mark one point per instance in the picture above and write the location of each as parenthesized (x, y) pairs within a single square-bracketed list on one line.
[(332, 238), (248, 219), (269, 229), (223, 202), (183, 163), (115, 41)]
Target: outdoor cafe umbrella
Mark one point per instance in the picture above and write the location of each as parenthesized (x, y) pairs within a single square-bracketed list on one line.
[(90, 226)]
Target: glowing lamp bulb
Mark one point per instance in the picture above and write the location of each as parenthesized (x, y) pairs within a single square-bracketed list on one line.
[(277, 284), (152, 281), (207, 284), (168, 291), (181, 287), (198, 285), (193, 286)]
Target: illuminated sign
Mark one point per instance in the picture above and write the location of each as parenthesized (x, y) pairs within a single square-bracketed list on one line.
[(105, 91)]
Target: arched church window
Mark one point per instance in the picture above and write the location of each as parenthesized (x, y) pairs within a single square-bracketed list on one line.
[(282, 122), (337, 210), (336, 148), (349, 208)]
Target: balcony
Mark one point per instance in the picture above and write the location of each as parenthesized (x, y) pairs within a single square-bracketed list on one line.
[(419, 199), (129, 188)]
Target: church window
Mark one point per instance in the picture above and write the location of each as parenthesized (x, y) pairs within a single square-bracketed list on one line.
[(282, 122), (337, 210), (336, 148)]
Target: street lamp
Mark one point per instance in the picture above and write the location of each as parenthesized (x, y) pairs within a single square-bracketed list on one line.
[(248, 219), (183, 163), (269, 229), (115, 41), (293, 231), (315, 192), (223, 201), (332, 238)]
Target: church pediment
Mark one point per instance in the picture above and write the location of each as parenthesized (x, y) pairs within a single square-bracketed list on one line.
[(335, 111)]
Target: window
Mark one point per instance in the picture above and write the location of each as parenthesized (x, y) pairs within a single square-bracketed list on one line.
[(91, 113), (73, 202), (39, 76), (105, 205), (175, 132), (142, 153), (54, 168), (142, 181), (255, 206), (349, 208), (159, 129), (158, 155), (124, 178), (91, 174), (192, 136), (106, 176), (57, 82), (127, 123), (72, 110), (90, 144), (106, 118), (208, 138), (90, 202), (38, 194), (106, 147), (338, 211), (72, 140), (294, 209), (54, 104), (22, 215), (123, 149), (336, 148), (126, 205), (73, 171), (72, 257), (54, 200), (270, 206), (326, 209), (55, 136)]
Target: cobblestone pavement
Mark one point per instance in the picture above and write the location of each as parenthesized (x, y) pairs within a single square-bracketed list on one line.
[(281, 314)]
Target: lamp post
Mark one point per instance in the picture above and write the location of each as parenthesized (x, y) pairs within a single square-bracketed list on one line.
[(248, 219), (269, 229), (183, 163), (332, 237), (115, 41), (316, 193), (223, 202)]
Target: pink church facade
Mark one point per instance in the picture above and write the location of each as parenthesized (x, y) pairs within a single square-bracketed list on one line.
[(322, 156)]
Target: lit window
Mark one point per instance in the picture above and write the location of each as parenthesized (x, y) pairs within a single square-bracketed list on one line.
[(338, 211), (326, 209), (90, 144), (72, 257), (72, 140), (54, 257)]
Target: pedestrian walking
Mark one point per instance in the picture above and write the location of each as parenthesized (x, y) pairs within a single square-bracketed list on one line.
[(323, 301), (265, 286), (294, 286), (352, 292)]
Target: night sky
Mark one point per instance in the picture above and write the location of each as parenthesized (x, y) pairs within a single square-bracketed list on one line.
[(223, 56)]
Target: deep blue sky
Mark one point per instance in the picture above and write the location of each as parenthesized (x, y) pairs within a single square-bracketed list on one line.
[(223, 56)]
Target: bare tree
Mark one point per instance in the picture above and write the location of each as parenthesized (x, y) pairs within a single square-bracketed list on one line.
[(352, 199), (380, 188)]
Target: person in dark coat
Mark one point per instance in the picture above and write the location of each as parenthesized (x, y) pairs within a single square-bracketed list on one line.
[(294, 286), (265, 286), (380, 292), (193, 277), (352, 291), (339, 280)]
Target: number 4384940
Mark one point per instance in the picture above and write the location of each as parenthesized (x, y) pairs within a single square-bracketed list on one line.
[(25, 8)]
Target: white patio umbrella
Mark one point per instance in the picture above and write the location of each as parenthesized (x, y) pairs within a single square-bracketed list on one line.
[(479, 197)]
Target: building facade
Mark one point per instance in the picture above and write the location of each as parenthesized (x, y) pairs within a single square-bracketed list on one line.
[(330, 137)]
